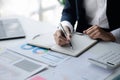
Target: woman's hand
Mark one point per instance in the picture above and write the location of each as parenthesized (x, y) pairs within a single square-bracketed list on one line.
[(95, 32), (60, 37)]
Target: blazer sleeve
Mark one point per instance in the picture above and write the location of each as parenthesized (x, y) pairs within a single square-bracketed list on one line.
[(116, 33), (69, 12)]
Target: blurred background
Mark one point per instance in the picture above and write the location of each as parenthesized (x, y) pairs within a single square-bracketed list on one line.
[(39, 10)]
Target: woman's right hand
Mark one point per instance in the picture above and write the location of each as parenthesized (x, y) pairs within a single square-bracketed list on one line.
[(60, 38)]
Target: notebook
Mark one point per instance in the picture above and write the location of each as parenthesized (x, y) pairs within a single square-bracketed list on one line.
[(16, 67), (80, 43), (11, 29)]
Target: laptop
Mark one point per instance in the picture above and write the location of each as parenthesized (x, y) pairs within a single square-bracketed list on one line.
[(17, 67), (11, 29)]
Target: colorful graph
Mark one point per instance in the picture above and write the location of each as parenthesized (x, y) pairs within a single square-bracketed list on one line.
[(35, 50)]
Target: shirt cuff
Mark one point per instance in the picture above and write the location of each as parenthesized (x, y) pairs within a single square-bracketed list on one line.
[(116, 33), (67, 23)]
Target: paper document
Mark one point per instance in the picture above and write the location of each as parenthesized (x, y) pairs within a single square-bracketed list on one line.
[(16, 67), (40, 54)]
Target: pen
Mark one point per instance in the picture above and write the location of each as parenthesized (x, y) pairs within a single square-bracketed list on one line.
[(36, 36), (65, 34)]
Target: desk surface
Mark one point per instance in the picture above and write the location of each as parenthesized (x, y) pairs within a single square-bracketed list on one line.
[(32, 28)]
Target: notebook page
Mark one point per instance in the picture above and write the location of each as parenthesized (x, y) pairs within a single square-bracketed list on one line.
[(80, 43), (44, 40)]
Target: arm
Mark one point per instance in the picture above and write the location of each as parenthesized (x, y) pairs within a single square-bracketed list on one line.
[(68, 20), (69, 12), (116, 33)]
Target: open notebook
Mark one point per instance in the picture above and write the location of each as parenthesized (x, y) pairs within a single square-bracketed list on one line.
[(11, 29), (16, 67), (79, 42)]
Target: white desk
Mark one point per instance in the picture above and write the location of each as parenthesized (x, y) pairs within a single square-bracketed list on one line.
[(32, 28), (74, 68)]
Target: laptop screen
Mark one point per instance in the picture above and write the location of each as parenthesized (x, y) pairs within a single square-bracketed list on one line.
[(11, 29)]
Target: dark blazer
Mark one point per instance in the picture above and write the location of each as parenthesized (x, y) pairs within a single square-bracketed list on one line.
[(74, 10)]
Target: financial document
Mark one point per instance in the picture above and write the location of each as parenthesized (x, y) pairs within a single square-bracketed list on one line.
[(39, 54), (17, 67)]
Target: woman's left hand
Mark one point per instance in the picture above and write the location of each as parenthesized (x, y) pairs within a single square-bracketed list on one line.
[(95, 32)]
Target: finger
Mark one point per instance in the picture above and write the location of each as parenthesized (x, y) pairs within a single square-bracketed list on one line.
[(92, 30), (88, 29), (57, 35), (95, 34), (59, 38), (68, 33), (60, 42), (85, 31)]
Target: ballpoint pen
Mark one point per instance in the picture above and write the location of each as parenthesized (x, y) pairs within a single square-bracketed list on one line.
[(36, 36), (65, 34)]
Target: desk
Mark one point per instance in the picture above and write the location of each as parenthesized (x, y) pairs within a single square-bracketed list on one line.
[(32, 28)]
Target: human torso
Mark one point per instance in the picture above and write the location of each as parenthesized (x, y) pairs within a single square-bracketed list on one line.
[(96, 12)]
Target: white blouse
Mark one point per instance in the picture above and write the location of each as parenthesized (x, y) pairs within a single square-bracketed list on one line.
[(96, 15)]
